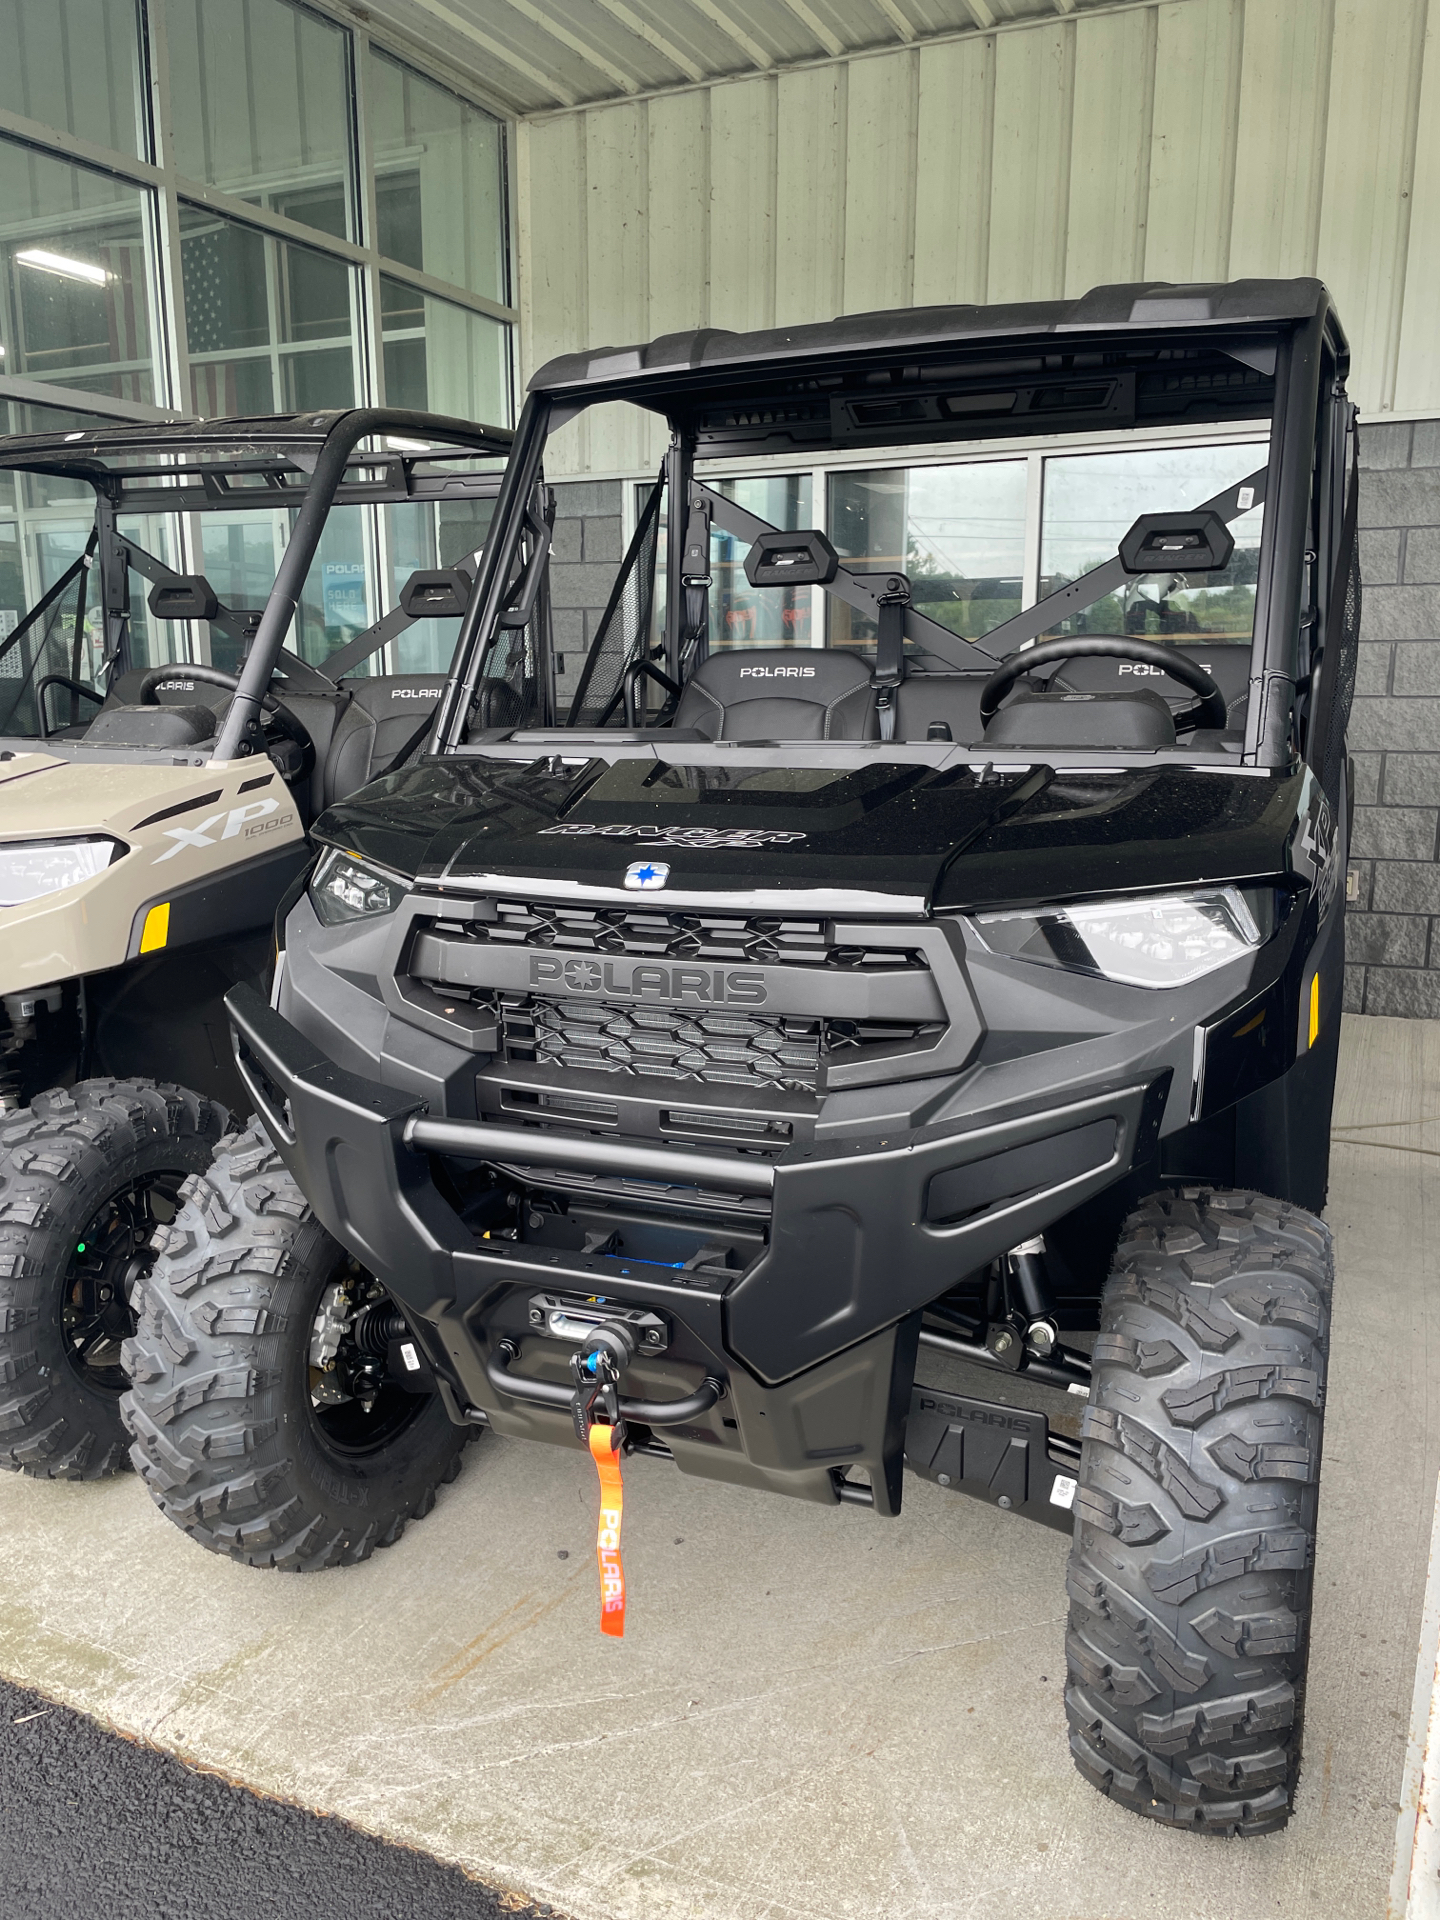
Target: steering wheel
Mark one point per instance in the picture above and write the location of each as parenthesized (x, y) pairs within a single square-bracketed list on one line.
[(280, 722), (1208, 711)]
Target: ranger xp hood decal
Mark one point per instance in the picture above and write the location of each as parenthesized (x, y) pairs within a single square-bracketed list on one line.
[(684, 836)]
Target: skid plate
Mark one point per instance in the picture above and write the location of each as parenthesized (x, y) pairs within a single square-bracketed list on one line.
[(999, 1454)]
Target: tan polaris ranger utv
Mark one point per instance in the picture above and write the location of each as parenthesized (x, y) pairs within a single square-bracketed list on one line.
[(153, 816)]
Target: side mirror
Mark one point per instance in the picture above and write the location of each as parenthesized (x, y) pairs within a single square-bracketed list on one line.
[(439, 595), (184, 596), (1198, 542), (791, 560)]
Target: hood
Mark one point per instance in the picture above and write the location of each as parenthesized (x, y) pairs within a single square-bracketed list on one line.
[(906, 834)]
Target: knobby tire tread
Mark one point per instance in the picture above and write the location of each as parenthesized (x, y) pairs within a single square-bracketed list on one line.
[(1191, 1571), (217, 1409), (59, 1157)]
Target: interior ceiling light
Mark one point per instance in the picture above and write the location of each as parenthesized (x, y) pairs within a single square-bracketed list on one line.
[(59, 263)]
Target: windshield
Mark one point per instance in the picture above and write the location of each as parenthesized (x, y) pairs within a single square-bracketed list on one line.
[(54, 645), (840, 581)]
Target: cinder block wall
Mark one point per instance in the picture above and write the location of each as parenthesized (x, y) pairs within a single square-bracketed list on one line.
[(1393, 930), (1393, 936), (583, 558)]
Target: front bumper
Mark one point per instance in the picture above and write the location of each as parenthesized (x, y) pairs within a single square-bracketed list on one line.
[(812, 1333)]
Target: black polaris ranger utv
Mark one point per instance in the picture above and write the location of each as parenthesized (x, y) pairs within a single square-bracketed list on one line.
[(958, 974)]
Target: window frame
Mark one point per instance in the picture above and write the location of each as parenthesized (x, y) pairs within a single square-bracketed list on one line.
[(165, 190)]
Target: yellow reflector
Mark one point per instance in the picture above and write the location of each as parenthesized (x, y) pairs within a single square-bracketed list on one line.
[(157, 928), (1314, 1007)]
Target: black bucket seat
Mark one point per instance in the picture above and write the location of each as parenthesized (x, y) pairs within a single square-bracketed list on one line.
[(780, 693)]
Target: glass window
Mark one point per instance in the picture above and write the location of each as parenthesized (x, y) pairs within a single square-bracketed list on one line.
[(268, 323), (746, 616), (260, 105), (69, 638), (240, 553), (958, 533), (425, 536), (439, 182), (742, 615), (1092, 500), (440, 358), (74, 263), (73, 64)]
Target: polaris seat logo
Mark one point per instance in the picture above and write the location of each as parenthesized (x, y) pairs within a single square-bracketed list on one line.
[(416, 693), (777, 673), (622, 980), (1136, 666)]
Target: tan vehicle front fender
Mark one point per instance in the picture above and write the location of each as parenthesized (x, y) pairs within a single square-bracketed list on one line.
[(180, 826)]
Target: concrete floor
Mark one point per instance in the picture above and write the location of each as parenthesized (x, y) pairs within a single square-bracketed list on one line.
[(814, 1712)]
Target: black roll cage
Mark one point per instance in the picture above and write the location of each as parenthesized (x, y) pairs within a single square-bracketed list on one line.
[(192, 474), (1304, 483)]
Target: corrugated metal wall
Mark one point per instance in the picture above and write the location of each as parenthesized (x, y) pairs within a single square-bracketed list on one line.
[(1188, 140)]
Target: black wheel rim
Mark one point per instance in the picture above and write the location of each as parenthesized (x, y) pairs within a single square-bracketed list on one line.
[(350, 1427), (110, 1255)]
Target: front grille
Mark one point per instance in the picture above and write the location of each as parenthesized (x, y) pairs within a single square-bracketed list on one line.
[(753, 939), (780, 1052)]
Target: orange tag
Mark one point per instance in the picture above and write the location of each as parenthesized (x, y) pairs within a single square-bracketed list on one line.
[(607, 1544)]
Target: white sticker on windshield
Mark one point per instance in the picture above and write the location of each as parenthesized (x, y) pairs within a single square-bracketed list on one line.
[(1062, 1493), (1245, 499)]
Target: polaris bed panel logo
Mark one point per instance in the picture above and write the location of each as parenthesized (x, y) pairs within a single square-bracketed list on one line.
[(639, 980)]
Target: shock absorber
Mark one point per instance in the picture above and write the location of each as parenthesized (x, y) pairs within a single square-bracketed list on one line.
[(375, 1327), (1027, 1268)]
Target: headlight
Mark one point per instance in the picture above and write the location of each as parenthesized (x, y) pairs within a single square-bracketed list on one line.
[(345, 887), (30, 868), (1163, 941)]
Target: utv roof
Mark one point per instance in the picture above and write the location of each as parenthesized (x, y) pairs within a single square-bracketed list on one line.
[(1148, 306), (254, 437)]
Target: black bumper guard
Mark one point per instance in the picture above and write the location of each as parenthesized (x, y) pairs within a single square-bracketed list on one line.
[(479, 1140), (860, 1234)]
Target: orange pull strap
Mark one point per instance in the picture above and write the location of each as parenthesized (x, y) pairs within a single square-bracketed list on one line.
[(606, 1456)]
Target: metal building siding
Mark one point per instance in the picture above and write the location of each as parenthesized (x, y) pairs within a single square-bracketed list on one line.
[(1184, 139)]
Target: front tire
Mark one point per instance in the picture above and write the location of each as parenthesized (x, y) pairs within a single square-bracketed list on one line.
[(86, 1177), (243, 1441), (1191, 1571)]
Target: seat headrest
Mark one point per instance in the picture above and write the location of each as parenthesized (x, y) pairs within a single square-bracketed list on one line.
[(787, 693)]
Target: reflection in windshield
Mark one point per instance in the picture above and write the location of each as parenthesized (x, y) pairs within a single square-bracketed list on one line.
[(957, 532), (1090, 502)]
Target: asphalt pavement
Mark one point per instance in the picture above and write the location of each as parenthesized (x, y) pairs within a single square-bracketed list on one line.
[(94, 1826)]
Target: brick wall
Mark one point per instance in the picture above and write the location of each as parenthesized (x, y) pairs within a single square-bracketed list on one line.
[(584, 555), (1393, 930)]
